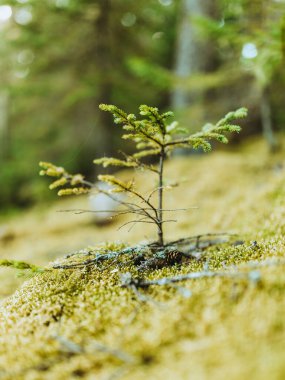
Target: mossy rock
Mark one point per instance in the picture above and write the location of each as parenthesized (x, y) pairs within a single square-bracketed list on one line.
[(81, 323), (69, 324)]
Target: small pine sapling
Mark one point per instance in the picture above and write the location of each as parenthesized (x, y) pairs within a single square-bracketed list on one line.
[(154, 136)]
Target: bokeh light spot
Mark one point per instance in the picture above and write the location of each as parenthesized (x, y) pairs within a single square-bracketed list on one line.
[(165, 3), (21, 74), (23, 16), (129, 19), (249, 50), (25, 57), (5, 13), (61, 3), (157, 35)]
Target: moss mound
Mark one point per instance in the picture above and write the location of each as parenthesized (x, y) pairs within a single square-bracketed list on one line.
[(68, 324), (82, 323)]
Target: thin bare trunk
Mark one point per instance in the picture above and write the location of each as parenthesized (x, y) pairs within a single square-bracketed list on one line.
[(160, 198)]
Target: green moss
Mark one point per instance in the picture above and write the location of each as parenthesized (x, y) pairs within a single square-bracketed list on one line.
[(228, 327), (224, 323)]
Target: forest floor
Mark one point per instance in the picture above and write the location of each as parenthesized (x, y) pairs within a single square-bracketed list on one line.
[(81, 323)]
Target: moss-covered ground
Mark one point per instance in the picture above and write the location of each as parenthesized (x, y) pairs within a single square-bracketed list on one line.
[(69, 324)]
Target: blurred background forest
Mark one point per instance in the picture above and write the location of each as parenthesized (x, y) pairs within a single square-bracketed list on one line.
[(61, 58)]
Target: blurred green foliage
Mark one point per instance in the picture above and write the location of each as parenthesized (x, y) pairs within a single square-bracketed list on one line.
[(61, 58)]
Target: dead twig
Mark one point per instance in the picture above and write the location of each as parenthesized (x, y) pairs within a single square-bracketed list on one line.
[(68, 345), (97, 259), (129, 281), (197, 238), (151, 250), (73, 348), (116, 353)]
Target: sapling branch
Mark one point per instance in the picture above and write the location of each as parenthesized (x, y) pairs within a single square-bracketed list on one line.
[(127, 211)]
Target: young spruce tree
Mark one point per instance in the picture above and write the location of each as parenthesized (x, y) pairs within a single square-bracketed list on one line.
[(153, 136)]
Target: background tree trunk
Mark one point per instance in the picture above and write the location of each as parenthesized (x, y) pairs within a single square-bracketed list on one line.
[(103, 57), (266, 121), (192, 52), (4, 126)]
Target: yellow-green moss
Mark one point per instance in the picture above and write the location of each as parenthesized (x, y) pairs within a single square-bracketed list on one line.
[(228, 328)]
